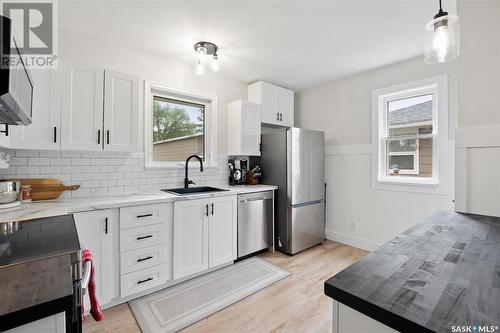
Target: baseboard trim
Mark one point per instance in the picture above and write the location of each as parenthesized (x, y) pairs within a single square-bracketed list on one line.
[(361, 243)]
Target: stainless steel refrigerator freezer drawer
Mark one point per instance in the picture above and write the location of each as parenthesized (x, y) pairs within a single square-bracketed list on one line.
[(308, 225), (255, 219)]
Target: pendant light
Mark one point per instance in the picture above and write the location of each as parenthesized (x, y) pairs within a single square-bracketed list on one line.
[(204, 50), (442, 42)]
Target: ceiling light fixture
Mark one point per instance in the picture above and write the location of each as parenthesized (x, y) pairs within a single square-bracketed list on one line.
[(204, 50), (442, 42)]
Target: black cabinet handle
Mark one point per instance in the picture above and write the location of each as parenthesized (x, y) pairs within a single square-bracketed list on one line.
[(144, 259), (144, 237), (145, 280), (55, 134), (206, 213), (281, 116), (212, 209), (144, 215), (106, 225), (107, 137), (277, 116), (98, 136)]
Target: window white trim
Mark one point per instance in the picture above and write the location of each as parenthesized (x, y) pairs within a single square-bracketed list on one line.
[(209, 101), (438, 86)]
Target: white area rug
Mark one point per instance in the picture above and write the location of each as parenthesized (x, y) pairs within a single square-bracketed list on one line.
[(174, 308)]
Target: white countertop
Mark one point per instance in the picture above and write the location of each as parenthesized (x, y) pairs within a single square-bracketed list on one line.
[(39, 209)]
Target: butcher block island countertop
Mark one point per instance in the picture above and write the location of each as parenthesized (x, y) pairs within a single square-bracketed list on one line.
[(442, 272)]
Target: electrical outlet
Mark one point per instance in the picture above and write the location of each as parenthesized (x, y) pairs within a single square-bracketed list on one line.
[(354, 224)]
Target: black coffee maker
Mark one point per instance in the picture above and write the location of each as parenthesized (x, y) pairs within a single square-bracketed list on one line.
[(237, 171)]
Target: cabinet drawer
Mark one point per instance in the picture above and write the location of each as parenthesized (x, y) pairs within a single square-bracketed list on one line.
[(135, 260), (138, 216), (132, 283), (137, 238)]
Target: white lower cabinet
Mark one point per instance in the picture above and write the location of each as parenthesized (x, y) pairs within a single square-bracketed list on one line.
[(98, 231), (145, 247), (204, 234)]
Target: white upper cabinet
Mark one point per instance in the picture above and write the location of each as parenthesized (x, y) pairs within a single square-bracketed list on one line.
[(244, 121), (120, 111), (277, 103), (45, 131), (82, 107)]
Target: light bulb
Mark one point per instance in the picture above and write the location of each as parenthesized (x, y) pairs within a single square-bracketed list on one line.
[(202, 54), (199, 69), (441, 41), (215, 63)]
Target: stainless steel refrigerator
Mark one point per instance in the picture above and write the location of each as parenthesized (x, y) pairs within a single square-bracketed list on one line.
[(293, 159)]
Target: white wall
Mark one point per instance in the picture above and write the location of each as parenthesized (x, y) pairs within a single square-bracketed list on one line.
[(343, 110), (479, 63)]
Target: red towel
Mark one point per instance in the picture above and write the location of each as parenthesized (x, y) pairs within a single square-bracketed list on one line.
[(95, 308)]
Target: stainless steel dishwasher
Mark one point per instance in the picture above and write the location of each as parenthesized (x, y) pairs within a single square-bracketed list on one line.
[(255, 222)]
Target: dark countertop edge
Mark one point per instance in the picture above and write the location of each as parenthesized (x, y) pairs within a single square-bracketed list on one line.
[(371, 310), (36, 312)]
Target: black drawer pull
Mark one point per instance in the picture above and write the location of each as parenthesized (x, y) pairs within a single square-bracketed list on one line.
[(107, 137), (144, 215), (144, 259), (145, 280), (144, 237), (98, 136), (55, 134)]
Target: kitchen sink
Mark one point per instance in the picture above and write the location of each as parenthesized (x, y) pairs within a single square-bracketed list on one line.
[(193, 190)]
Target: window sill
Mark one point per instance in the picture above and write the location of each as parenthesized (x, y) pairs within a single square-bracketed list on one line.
[(410, 181)]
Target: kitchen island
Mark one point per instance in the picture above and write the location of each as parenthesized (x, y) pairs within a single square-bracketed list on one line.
[(441, 275)]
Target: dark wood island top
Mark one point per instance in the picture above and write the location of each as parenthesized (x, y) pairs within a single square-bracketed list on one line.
[(442, 272)]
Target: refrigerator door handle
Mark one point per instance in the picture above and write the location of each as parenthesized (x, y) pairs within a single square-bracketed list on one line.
[(310, 203)]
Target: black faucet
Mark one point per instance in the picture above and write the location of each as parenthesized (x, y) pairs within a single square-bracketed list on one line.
[(188, 181)]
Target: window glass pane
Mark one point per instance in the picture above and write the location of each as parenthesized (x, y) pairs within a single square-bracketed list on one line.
[(409, 157), (178, 129), (409, 113), (402, 162), (402, 145)]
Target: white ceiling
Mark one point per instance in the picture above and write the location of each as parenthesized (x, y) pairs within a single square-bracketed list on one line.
[(297, 44)]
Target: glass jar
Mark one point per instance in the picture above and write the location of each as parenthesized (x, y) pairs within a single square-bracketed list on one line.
[(25, 194)]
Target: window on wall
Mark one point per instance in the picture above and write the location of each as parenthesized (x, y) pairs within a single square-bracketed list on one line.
[(178, 129), (178, 124), (410, 132)]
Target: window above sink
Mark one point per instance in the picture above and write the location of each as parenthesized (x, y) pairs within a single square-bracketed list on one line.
[(178, 123)]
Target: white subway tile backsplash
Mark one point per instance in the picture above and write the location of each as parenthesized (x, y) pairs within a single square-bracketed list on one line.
[(50, 169), (60, 161), (38, 161), (105, 173)]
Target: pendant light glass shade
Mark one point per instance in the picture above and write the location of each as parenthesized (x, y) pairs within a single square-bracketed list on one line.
[(442, 39)]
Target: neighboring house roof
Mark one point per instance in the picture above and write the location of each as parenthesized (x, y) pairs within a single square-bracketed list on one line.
[(413, 114)]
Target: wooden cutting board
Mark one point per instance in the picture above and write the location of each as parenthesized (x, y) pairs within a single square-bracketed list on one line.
[(46, 188)]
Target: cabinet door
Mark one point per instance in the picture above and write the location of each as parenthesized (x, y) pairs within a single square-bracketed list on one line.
[(285, 106), (98, 232), (44, 131), (82, 107), (265, 94), (120, 111), (190, 250), (222, 231), (250, 130), (5, 138)]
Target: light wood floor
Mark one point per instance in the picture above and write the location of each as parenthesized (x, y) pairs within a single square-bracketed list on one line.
[(294, 304)]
